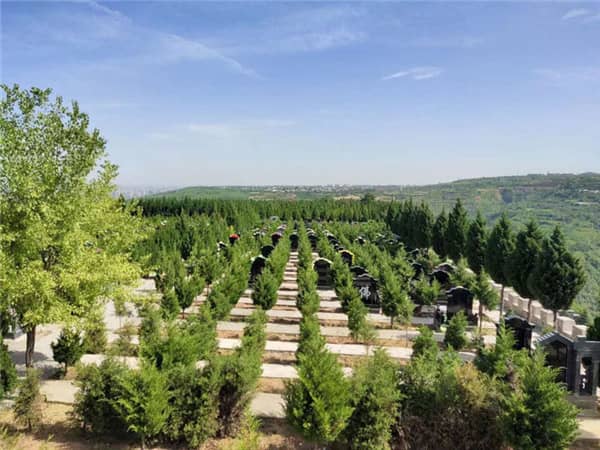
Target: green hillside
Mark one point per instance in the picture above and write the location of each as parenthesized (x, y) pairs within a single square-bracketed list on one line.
[(571, 201)]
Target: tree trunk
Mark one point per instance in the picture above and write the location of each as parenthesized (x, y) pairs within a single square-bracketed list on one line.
[(555, 317), (502, 304), (392, 322), (529, 310), (143, 442), (480, 316), (30, 346)]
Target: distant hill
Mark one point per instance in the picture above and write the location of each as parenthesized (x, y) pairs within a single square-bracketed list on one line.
[(571, 201)]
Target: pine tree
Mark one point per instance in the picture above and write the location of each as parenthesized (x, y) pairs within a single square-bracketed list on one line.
[(186, 290), (144, 401), (485, 293), (424, 344), (528, 245), (557, 276), (28, 404), (375, 403), (423, 226), (360, 328), (476, 243), (456, 336), (536, 413), (169, 306), (499, 249), (395, 301), (439, 232), (265, 290), (456, 233), (68, 349)]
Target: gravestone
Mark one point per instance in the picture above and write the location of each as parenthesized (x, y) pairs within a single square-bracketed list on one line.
[(323, 267), (460, 299), (258, 265), (367, 288), (521, 329), (275, 237), (360, 240), (441, 276), (294, 241), (358, 270), (446, 267), (221, 245), (428, 315), (266, 250), (347, 256), (233, 238), (314, 239)]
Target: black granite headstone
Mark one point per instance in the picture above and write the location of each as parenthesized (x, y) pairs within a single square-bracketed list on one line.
[(367, 288)]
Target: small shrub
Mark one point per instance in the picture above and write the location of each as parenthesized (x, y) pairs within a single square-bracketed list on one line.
[(456, 336), (8, 373), (94, 336), (265, 290), (28, 404), (124, 345), (69, 347), (169, 306), (424, 344)]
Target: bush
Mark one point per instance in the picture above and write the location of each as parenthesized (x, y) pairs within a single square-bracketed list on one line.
[(169, 306), (456, 336), (375, 401), (143, 401), (69, 347), (28, 404), (94, 334), (94, 407), (360, 328), (424, 344), (8, 373), (265, 290), (124, 345)]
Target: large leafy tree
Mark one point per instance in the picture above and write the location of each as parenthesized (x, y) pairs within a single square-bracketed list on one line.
[(557, 276), (500, 247), (476, 242), (521, 263), (456, 234), (65, 239)]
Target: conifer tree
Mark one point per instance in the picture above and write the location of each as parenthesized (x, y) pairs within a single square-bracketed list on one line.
[(528, 244), (169, 305), (69, 348), (375, 403), (485, 293), (8, 372), (499, 249), (439, 232), (456, 336), (265, 290), (424, 344), (28, 404), (558, 276), (476, 244), (395, 301), (456, 233)]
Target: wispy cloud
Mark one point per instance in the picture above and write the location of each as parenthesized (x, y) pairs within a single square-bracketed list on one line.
[(416, 73), (569, 76), (447, 42), (575, 13)]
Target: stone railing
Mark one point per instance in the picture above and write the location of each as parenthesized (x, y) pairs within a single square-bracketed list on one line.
[(539, 315)]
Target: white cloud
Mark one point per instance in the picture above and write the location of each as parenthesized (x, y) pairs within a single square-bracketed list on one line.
[(416, 73), (574, 13)]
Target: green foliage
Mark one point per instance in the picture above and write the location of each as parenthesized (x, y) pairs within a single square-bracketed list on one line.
[(8, 373), (318, 402), (65, 240), (375, 402), (187, 289), (593, 331), (425, 292), (500, 247), (69, 347), (424, 344), (557, 276), (239, 374), (265, 290), (476, 243), (94, 333), (395, 301), (143, 402), (502, 360), (456, 233), (95, 400), (124, 345), (169, 305), (439, 232), (536, 414), (528, 245), (29, 402), (486, 294), (360, 328), (456, 337)]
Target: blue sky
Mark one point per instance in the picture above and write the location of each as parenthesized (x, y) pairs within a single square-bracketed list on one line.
[(199, 93)]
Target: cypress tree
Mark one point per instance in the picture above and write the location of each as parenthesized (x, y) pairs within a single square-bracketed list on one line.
[(424, 344), (456, 234), (557, 276), (456, 336), (423, 227), (500, 247), (476, 243), (438, 237), (485, 293), (528, 244)]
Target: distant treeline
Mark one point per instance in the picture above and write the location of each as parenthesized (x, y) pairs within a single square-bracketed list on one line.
[(323, 209)]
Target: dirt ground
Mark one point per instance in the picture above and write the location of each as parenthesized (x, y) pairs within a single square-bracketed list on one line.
[(57, 432)]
